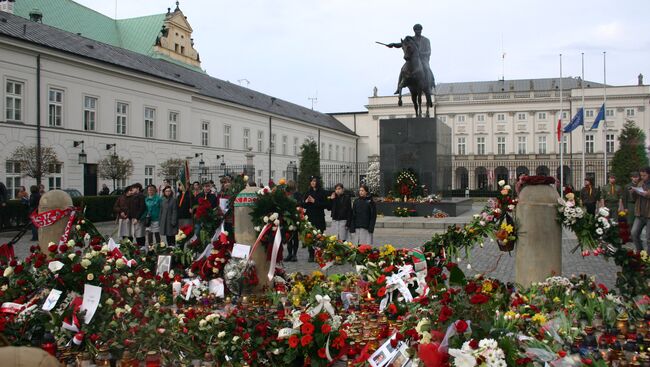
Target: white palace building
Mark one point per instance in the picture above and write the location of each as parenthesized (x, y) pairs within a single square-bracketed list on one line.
[(135, 86), (136, 83)]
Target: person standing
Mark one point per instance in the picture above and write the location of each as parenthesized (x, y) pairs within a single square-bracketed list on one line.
[(341, 212), (184, 206), (641, 195), (23, 196), (589, 196), (121, 210), (137, 211), (152, 216), (208, 195), (169, 216), (293, 242), (34, 199), (104, 191), (315, 204), (629, 199), (223, 198), (364, 216), (612, 197)]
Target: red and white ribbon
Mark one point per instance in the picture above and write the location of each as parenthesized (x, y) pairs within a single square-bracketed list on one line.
[(49, 217), (277, 244), (66, 232)]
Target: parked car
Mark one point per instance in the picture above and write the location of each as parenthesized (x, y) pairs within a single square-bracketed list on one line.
[(74, 193)]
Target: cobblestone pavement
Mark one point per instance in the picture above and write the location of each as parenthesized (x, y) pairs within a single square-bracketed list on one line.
[(488, 260)]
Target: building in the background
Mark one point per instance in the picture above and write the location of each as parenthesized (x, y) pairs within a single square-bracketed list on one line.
[(503, 128), (137, 84)]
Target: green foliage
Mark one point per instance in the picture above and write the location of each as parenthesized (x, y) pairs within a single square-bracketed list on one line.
[(631, 154), (97, 208), (309, 164)]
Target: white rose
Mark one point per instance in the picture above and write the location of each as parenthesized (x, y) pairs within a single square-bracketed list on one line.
[(85, 263), (604, 211), (107, 269), (276, 222), (202, 323), (245, 178), (78, 227), (221, 334), (235, 338), (120, 263), (265, 219), (501, 182), (507, 187), (71, 256), (8, 271), (109, 301), (70, 243)]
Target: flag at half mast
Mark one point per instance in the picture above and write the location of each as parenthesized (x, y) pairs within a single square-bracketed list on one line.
[(600, 117), (577, 120)]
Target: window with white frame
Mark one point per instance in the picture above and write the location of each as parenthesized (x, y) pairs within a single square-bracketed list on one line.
[(260, 140), (149, 122), (522, 116), (205, 133), (589, 143), (480, 118), (343, 157), (120, 183), (589, 113), (501, 117), (226, 136), (285, 144), (322, 150), (247, 138), (541, 115), (480, 145), (521, 145), (55, 107), (460, 118), (329, 152), (173, 125), (337, 153), (630, 112), (55, 177), (609, 112), (272, 144), (13, 178), (564, 115), (295, 146), (609, 142), (90, 113), (461, 146), (501, 145), (15, 92), (541, 144), (121, 118), (148, 175)]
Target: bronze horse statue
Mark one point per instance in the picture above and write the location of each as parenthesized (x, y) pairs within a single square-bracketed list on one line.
[(415, 77)]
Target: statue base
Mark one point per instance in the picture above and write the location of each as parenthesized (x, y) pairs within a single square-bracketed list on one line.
[(422, 144)]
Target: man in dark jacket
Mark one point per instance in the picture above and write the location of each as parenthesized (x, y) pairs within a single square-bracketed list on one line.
[(364, 216), (341, 211), (136, 210), (314, 201)]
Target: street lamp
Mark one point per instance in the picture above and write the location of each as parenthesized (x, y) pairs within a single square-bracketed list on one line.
[(112, 146), (83, 157), (201, 162)]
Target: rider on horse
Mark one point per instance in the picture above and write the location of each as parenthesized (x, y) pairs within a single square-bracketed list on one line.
[(424, 47)]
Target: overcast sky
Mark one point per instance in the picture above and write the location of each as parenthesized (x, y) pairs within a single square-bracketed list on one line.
[(297, 49)]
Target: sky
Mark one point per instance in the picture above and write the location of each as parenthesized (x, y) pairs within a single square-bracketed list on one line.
[(325, 49)]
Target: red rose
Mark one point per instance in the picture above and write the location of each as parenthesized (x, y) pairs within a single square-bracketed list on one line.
[(307, 328), (52, 247), (304, 317), (561, 353), (324, 316), (306, 340), (392, 309), (479, 298), (63, 248), (471, 287), (321, 353), (445, 313), (325, 329), (293, 341), (461, 326), (473, 344), (381, 279), (19, 268), (381, 292), (76, 268)]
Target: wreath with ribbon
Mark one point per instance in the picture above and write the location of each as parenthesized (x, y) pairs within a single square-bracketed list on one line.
[(406, 183)]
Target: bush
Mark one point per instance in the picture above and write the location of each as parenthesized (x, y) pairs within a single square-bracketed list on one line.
[(97, 208)]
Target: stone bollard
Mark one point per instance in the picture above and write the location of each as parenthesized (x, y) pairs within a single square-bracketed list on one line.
[(539, 248), (54, 199), (245, 234)]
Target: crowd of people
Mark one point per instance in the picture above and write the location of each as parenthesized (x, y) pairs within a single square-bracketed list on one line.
[(28, 203)]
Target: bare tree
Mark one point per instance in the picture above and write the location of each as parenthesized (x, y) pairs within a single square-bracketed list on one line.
[(171, 168), (27, 157), (115, 168)]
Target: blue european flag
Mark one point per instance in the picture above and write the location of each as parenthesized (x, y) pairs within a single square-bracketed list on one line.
[(577, 120), (599, 118)]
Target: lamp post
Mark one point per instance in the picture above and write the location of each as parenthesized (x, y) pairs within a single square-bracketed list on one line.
[(201, 165), (83, 157)]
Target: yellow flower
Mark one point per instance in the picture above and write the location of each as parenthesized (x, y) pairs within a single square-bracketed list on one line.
[(539, 318), (507, 227), (509, 315), (317, 274), (557, 300), (487, 286)]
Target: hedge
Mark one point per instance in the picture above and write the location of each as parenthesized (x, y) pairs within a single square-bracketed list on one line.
[(97, 209)]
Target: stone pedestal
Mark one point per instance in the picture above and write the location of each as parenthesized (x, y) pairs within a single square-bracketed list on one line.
[(539, 249), (423, 144), (245, 234), (54, 199)]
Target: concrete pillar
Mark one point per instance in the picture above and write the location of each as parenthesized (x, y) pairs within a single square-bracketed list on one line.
[(54, 199), (538, 253), (245, 234)]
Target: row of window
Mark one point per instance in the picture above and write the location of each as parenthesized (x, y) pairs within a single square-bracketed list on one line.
[(14, 178), (523, 116), (522, 144), (336, 153)]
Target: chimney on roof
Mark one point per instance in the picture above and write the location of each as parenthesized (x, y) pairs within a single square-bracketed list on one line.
[(7, 6), (36, 16), (640, 79)]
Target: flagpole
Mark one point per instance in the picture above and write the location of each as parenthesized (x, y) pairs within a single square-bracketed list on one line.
[(561, 135), (605, 109), (584, 175)]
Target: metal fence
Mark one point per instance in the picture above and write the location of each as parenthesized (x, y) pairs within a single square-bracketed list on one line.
[(207, 173), (348, 174)]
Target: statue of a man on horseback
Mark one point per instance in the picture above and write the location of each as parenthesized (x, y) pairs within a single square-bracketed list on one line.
[(416, 73)]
